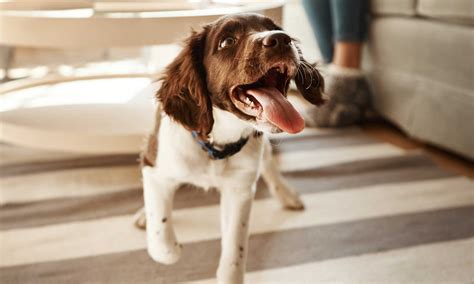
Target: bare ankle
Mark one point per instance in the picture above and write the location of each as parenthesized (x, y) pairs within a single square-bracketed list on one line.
[(347, 54)]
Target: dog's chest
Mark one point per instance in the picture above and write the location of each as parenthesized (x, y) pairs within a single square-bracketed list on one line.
[(207, 176), (196, 168), (181, 158)]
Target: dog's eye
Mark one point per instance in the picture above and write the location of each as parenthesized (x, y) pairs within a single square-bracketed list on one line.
[(227, 42)]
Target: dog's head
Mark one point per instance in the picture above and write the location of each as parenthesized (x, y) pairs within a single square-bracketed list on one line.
[(242, 64)]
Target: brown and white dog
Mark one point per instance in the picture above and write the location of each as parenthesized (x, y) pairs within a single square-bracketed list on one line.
[(226, 87)]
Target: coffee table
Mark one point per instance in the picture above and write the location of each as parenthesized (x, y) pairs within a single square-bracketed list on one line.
[(34, 112)]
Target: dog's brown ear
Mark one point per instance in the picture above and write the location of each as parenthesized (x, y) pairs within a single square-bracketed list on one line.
[(309, 81), (183, 93)]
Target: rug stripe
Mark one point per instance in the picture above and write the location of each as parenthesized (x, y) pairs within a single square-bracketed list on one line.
[(318, 132), (363, 173), (304, 160), (284, 144), (43, 180), (311, 143), (80, 239), (11, 154), (73, 163), (266, 250), (444, 262), (68, 183), (14, 155)]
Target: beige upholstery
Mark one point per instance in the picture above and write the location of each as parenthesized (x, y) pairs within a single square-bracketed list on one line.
[(422, 75), (394, 7), (459, 11), (454, 10), (429, 49)]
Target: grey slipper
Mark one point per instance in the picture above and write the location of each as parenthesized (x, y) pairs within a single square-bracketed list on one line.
[(349, 99)]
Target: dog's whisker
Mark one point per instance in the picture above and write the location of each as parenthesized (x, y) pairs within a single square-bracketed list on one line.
[(305, 71), (313, 70), (310, 69)]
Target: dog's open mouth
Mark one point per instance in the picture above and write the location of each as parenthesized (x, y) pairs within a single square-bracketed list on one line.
[(266, 100)]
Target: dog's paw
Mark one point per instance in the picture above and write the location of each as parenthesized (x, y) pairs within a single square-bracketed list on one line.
[(230, 274), (293, 203), (165, 253), (139, 219), (291, 200)]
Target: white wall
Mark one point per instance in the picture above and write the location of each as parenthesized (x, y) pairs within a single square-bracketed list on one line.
[(297, 25)]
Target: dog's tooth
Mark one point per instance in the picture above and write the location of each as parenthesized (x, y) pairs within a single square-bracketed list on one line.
[(249, 102)]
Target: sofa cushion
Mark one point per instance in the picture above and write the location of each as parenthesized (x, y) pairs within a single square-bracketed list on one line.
[(422, 73), (393, 7), (427, 110), (427, 48), (461, 11)]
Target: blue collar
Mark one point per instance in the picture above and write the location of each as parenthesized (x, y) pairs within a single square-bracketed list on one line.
[(227, 150)]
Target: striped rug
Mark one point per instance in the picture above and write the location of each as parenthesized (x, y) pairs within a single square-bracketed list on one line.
[(374, 214)]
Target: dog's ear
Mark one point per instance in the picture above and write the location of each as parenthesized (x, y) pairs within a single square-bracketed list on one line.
[(183, 93), (309, 81)]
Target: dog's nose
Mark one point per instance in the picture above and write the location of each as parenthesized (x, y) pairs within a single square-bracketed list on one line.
[(276, 39)]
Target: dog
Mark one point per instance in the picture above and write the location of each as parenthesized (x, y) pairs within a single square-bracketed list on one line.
[(218, 99)]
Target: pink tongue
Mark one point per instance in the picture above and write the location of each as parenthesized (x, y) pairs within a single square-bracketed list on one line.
[(277, 109)]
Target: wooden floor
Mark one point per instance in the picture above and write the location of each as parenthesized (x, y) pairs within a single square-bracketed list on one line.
[(451, 162)]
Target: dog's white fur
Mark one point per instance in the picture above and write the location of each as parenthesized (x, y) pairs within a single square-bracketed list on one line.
[(181, 160)]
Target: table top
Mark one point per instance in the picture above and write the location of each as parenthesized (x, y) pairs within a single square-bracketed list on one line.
[(110, 115), (139, 9), (121, 24)]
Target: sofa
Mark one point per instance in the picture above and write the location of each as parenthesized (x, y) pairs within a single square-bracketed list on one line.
[(420, 60)]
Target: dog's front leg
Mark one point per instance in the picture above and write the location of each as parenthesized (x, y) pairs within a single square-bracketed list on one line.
[(277, 185), (161, 239), (236, 204)]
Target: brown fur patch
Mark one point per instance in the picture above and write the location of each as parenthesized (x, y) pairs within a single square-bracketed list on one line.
[(183, 93), (150, 151)]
